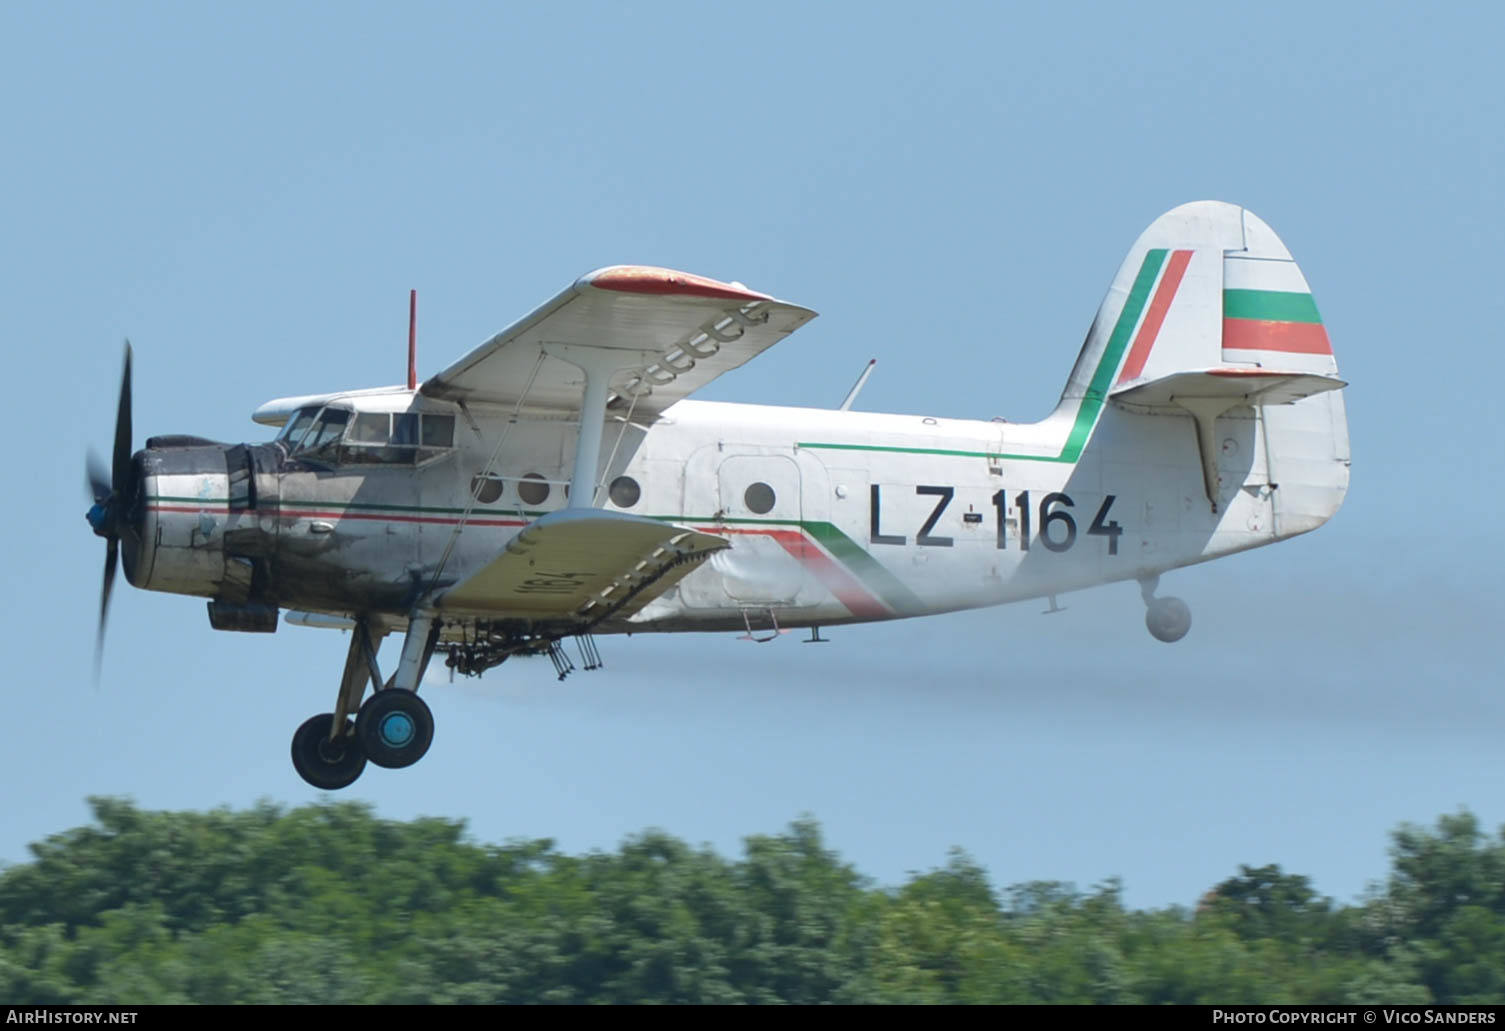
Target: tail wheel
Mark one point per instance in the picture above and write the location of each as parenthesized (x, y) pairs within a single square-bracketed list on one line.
[(1168, 619), (395, 728), (324, 763)]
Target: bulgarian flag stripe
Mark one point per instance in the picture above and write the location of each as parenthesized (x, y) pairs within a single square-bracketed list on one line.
[(1144, 342), (1273, 320)]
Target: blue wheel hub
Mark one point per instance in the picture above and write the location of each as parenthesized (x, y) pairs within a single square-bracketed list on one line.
[(397, 729)]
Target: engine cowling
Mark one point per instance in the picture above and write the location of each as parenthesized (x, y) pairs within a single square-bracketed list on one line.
[(205, 516)]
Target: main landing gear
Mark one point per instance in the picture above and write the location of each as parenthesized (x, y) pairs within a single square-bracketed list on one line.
[(1168, 619), (393, 728)]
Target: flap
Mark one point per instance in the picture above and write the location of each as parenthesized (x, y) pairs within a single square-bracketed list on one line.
[(673, 333), (581, 565)]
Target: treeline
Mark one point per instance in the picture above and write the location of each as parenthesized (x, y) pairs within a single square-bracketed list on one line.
[(329, 904)]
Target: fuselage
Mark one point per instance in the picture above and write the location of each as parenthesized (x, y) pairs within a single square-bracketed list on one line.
[(833, 516)]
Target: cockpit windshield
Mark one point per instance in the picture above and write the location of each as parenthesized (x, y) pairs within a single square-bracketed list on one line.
[(329, 428), (293, 430)]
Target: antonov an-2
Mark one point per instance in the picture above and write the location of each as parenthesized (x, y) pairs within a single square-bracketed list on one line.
[(557, 482)]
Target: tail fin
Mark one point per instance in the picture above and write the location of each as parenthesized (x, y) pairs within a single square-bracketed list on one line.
[(1209, 309)]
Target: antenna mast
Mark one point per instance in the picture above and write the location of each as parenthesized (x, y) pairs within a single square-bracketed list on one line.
[(412, 339)]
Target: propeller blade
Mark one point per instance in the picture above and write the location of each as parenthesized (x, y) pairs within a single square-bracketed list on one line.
[(112, 549), (121, 466), (98, 476)]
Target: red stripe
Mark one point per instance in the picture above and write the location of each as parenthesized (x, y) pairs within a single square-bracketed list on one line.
[(1150, 328), (1290, 337), (641, 279), (298, 513), (847, 589)]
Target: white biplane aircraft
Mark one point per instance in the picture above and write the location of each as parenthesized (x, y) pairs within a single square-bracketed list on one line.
[(556, 482)]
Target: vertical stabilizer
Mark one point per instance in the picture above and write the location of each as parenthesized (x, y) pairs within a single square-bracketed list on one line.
[(1209, 314)]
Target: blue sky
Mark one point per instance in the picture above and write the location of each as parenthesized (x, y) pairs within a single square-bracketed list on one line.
[(249, 193)]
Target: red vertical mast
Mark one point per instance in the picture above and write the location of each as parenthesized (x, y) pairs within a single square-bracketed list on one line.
[(412, 339)]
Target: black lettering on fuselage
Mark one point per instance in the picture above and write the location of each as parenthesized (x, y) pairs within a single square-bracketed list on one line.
[(924, 537), (876, 535)]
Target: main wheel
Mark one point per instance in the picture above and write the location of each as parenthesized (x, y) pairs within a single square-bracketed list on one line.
[(1168, 619), (327, 764), (395, 728)]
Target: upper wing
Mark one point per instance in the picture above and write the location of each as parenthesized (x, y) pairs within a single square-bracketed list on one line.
[(675, 332), (581, 566)]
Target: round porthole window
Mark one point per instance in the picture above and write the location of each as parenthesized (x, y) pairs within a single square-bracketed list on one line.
[(625, 492), (759, 498), (532, 489), (486, 489)]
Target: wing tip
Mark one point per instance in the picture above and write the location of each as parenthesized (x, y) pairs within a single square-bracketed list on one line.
[(663, 282)]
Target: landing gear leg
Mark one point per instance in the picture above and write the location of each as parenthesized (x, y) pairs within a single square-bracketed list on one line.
[(327, 752), (1168, 619), (395, 727)]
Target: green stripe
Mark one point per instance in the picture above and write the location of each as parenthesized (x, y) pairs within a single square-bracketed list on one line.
[(869, 571), (873, 574), (1097, 388), (1269, 306), (1102, 379)]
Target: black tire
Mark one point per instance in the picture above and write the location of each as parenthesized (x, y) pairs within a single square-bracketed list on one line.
[(329, 765), (395, 728), (1168, 619)]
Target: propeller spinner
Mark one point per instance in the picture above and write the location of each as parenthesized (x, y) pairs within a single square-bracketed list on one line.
[(112, 496)]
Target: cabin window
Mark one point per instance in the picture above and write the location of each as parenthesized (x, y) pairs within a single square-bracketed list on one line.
[(759, 498), (624, 492), (486, 489), (532, 489)]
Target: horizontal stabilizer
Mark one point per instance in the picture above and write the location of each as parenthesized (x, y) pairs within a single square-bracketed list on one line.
[(581, 566), (1235, 385)]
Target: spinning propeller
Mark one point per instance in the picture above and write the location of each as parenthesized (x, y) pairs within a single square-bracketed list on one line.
[(112, 491)]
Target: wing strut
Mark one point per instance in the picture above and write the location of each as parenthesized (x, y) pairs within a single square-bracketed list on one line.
[(599, 364)]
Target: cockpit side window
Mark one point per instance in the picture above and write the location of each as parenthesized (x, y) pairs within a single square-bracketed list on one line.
[(438, 431), (401, 438), (405, 429), (370, 428)]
